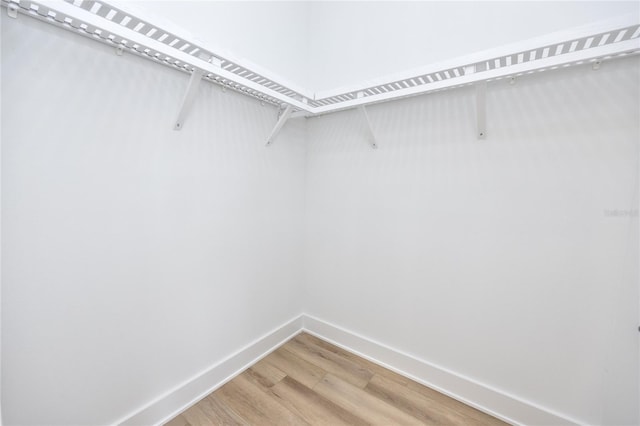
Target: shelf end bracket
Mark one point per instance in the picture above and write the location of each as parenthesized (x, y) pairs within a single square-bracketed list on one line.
[(481, 109), (283, 117), (190, 94), (370, 135), (189, 98)]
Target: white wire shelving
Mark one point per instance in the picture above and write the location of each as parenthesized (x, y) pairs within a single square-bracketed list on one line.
[(127, 32)]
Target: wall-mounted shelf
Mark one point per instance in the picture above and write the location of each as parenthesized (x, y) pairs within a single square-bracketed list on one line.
[(589, 43), (116, 26)]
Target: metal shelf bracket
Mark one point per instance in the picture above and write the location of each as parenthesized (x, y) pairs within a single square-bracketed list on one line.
[(190, 95), (370, 135), (282, 118), (481, 109)]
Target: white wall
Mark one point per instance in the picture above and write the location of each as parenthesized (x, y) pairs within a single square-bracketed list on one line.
[(495, 259), (356, 41), (134, 256)]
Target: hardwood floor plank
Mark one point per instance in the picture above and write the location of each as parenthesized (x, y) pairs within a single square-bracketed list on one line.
[(361, 403), (418, 405), (440, 398), (268, 371), (179, 420), (372, 367), (330, 362), (258, 378), (450, 403), (312, 407), (254, 405), (212, 411), (196, 417), (304, 372)]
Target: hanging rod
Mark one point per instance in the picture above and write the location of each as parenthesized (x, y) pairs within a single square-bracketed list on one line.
[(128, 31)]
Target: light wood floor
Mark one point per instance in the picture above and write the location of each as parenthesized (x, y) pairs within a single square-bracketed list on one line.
[(308, 381)]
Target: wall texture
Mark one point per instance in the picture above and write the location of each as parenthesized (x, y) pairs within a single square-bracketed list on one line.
[(513, 260), (134, 256)]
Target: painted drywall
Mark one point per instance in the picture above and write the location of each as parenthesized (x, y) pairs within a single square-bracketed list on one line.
[(511, 261), (135, 256), (351, 42)]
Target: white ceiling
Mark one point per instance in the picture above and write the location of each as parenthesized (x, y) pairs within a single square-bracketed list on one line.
[(322, 45)]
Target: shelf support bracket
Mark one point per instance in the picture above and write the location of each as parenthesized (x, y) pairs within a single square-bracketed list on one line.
[(481, 109), (370, 135), (284, 116), (189, 97), (192, 91)]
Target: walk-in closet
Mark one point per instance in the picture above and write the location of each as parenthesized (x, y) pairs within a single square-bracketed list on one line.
[(319, 213)]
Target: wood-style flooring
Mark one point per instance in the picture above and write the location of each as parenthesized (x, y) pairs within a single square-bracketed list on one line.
[(308, 381)]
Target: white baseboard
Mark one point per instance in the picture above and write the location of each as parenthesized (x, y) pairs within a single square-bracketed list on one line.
[(188, 393), (485, 398)]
